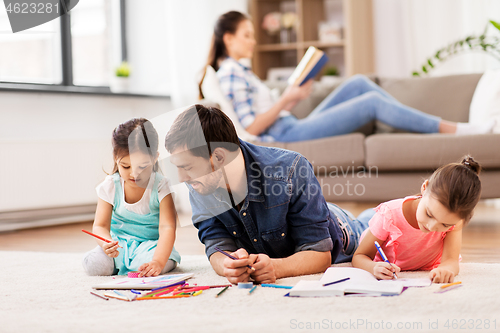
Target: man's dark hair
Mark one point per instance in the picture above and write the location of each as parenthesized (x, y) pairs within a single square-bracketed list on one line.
[(200, 127)]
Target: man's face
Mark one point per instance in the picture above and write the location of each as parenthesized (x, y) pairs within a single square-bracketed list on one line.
[(196, 171)]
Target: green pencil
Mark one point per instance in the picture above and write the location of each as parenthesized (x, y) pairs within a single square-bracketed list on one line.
[(220, 292)]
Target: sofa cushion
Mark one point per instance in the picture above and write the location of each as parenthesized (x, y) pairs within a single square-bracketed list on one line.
[(337, 154), (448, 97), (416, 152)]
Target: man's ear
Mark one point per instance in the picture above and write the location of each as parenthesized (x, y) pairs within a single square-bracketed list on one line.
[(425, 184), (219, 157)]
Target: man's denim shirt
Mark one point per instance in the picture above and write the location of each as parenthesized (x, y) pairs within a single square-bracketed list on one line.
[(283, 213)]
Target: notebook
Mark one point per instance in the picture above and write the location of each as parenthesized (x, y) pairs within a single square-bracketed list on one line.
[(311, 63), (360, 282), (143, 283)]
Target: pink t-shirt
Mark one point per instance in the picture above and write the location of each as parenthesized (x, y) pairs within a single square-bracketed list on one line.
[(405, 246)]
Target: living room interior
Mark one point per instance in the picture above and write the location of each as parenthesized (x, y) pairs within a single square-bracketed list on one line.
[(67, 83)]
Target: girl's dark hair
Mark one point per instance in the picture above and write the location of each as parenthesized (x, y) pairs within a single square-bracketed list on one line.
[(457, 187), (136, 134), (227, 23)]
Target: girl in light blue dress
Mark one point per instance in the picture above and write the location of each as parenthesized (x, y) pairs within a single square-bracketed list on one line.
[(135, 209)]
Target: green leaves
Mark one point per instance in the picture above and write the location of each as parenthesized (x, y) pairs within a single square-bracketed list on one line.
[(483, 43), (123, 70), (495, 24)]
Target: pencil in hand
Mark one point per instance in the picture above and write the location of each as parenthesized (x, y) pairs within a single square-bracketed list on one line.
[(230, 256), (98, 237)]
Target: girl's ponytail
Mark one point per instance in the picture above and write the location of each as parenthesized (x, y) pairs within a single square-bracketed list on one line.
[(471, 164)]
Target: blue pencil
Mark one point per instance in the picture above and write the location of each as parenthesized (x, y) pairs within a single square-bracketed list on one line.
[(384, 257), (169, 285), (338, 281), (275, 286), (230, 256)]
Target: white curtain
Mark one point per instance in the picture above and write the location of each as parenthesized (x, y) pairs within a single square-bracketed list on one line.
[(190, 25), (407, 32)]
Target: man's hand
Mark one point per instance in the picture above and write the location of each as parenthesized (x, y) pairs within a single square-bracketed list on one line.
[(236, 270), (264, 269)]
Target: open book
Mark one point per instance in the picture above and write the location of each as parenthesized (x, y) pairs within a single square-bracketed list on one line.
[(308, 67), (360, 282), (143, 283)]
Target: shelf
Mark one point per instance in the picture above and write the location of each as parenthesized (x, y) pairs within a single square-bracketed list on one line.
[(277, 47), (319, 44), (299, 45)]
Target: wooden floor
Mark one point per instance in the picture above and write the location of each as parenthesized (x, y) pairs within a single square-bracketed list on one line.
[(481, 238)]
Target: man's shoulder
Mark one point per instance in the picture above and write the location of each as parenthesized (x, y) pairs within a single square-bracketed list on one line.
[(272, 159)]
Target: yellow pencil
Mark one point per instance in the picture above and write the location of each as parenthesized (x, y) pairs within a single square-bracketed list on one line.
[(450, 284), (160, 297), (198, 292)]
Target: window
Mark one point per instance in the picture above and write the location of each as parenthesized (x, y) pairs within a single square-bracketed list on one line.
[(73, 50), (90, 30), (30, 56)]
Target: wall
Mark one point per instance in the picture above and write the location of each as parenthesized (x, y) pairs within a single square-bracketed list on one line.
[(53, 146), (407, 32)]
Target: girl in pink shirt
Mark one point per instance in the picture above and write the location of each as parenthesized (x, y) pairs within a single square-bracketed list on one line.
[(423, 232)]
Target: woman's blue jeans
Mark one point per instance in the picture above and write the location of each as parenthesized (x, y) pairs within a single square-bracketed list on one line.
[(353, 104)]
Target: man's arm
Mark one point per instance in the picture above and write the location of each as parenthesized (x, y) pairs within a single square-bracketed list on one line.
[(301, 263)]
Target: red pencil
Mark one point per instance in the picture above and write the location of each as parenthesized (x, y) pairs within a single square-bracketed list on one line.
[(98, 237)]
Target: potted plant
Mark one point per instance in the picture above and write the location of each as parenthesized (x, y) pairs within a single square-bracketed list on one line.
[(120, 82), (330, 75)]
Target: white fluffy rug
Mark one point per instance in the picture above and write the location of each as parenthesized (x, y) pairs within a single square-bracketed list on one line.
[(49, 292)]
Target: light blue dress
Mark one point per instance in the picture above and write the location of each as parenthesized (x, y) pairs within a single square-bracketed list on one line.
[(137, 234)]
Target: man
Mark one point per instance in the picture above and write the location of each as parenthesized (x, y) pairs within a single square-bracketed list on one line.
[(264, 205)]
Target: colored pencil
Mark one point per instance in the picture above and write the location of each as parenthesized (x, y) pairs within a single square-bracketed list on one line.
[(161, 297), (251, 290), (220, 292), (448, 289), (221, 286), (275, 286), (230, 256), (100, 296), (197, 293), (451, 284), (338, 281), (98, 237), (384, 257), (169, 285)]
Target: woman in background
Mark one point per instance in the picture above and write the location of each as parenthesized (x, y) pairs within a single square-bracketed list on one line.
[(353, 104)]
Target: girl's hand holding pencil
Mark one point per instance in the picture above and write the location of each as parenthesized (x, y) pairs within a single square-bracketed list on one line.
[(111, 249), (385, 271)]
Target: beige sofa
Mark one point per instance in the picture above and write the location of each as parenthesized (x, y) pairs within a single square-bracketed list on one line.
[(378, 163)]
